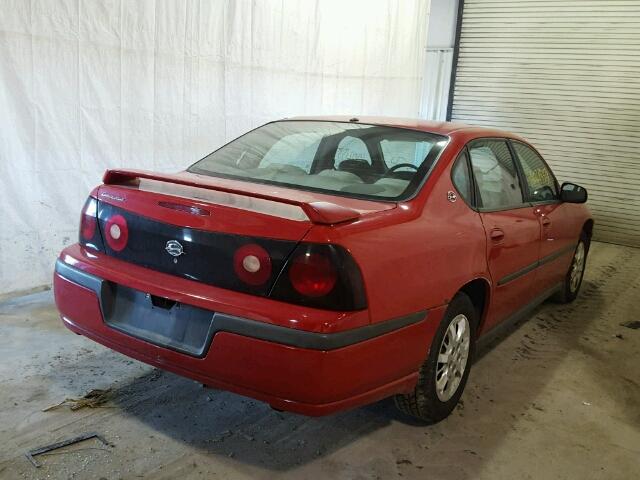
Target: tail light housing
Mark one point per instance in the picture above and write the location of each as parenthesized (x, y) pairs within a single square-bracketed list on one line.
[(321, 276), (89, 232)]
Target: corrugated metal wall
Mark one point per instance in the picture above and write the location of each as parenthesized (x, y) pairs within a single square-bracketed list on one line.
[(565, 75)]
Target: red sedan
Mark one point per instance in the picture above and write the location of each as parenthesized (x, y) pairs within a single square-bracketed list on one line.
[(319, 264)]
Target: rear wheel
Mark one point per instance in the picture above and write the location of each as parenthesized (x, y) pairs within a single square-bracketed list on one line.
[(573, 279), (446, 369)]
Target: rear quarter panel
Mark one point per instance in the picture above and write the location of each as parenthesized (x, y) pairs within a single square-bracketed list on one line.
[(418, 255)]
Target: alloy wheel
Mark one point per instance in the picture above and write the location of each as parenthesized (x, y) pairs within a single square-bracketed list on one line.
[(452, 357), (577, 268)]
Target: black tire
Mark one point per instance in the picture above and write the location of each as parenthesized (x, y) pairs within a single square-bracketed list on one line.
[(424, 403), (567, 294)]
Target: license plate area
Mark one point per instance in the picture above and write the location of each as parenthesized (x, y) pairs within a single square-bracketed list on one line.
[(158, 320)]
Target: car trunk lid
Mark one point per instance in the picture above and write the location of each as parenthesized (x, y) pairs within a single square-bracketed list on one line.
[(194, 226)]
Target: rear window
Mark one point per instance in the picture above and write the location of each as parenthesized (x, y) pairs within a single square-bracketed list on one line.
[(351, 159), (496, 174)]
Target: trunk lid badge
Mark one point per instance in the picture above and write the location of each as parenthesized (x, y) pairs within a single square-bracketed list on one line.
[(175, 249)]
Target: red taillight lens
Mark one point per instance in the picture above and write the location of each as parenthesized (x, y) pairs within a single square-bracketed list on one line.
[(252, 264), (116, 232), (88, 224), (89, 235), (321, 276), (312, 274)]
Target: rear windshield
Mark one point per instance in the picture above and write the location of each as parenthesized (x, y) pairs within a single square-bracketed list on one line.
[(351, 159)]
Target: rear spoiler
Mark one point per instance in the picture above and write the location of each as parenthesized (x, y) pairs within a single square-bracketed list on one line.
[(322, 213)]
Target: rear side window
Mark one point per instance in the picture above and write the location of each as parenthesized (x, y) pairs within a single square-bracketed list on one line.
[(461, 177), (496, 174), (541, 184)]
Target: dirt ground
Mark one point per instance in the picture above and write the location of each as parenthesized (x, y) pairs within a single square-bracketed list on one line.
[(559, 397)]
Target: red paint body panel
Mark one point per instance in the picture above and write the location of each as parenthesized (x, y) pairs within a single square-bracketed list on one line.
[(558, 226), (312, 382), (516, 247), (413, 255)]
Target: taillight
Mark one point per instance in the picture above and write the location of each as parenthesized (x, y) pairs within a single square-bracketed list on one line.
[(116, 232), (88, 224), (252, 264), (89, 233), (322, 276), (312, 274)]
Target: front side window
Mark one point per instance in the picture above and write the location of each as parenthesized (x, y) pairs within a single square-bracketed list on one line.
[(540, 182), (350, 159), (496, 174)]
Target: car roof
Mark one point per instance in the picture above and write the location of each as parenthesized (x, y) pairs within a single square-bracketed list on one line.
[(451, 129)]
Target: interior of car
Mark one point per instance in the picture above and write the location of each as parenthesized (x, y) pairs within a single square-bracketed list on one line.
[(363, 160)]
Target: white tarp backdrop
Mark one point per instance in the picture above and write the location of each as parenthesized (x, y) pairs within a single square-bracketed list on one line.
[(156, 84)]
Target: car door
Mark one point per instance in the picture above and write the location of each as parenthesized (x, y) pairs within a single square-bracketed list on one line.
[(557, 240), (512, 227)]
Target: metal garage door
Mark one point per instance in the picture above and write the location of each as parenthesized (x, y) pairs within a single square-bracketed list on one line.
[(565, 74)]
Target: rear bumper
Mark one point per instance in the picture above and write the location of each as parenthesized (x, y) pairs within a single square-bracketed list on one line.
[(313, 373)]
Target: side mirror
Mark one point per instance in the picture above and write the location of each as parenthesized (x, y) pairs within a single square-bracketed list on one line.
[(544, 193), (572, 193)]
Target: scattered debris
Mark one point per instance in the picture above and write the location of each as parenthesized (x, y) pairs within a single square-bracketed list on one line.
[(64, 443), (634, 325), (588, 404), (93, 399)]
